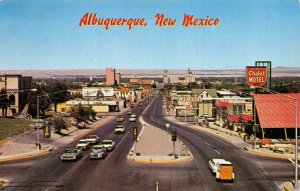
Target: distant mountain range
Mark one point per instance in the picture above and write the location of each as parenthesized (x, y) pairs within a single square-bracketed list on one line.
[(128, 73)]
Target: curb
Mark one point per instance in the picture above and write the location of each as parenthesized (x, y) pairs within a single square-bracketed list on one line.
[(150, 161), (216, 135), (26, 156), (268, 154)]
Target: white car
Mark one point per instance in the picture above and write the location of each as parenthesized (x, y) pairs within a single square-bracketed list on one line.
[(98, 152), (213, 164), (83, 144), (93, 139), (132, 118), (71, 154), (133, 115), (109, 145), (120, 119), (119, 129)]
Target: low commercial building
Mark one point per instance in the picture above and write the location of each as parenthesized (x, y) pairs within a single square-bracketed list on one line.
[(276, 114), (98, 106), (234, 112)]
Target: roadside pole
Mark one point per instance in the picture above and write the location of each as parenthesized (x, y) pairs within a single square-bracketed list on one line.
[(134, 133), (174, 139)]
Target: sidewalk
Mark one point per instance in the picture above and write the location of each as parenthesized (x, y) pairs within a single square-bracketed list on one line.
[(23, 146)]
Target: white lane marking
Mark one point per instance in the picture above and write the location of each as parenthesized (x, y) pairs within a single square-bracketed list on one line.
[(117, 145), (217, 152), (207, 143), (293, 162)]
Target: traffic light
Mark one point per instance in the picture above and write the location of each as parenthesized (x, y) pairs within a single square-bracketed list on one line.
[(135, 133), (174, 135)]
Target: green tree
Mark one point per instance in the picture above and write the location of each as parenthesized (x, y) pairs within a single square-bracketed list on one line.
[(61, 94), (4, 102), (81, 113), (59, 123)]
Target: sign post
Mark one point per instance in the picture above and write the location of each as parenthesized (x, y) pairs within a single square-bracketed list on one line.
[(135, 134)]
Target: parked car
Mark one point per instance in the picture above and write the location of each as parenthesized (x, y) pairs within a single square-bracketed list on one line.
[(71, 154), (109, 145), (119, 128), (83, 144), (93, 139), (129, 112), (132, 105), (222, 169), (140, 103), (120, 119), (98, 152), (81, 125)]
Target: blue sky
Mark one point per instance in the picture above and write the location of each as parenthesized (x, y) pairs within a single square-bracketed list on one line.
[(45, 34)]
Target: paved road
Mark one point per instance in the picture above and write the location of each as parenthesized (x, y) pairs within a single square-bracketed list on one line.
[(115, 172)]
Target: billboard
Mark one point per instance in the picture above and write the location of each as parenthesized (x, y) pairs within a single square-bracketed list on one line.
[(256, 75)]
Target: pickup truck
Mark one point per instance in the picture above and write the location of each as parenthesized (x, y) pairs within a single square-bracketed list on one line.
[(222, 169), (109, 145), (71, 154), (83, 144), (93, 139), (98, 152)]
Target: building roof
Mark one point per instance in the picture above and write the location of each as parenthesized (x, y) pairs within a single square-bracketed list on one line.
[(277, 111), (212, 92)]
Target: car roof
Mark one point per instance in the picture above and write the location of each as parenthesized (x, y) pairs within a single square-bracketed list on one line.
[(95, 146), (220, 161), (107, 140)]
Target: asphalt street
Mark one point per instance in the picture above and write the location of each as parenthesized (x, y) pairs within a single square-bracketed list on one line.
[(116, 173)]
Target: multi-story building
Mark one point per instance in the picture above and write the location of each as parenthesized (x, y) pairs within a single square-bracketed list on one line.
[(118, 79), (110, 76), (15, 86), (189, 77)]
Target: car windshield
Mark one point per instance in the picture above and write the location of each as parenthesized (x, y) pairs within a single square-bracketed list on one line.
[(97, 147), (119, 126), (69, 151), (82, 141), (92, 136), (107, 142)]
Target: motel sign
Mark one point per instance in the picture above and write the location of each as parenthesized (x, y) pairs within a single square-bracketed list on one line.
[(256, 75)]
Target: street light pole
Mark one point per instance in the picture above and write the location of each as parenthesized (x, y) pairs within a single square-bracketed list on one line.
[(296, 146), (38, 126)]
